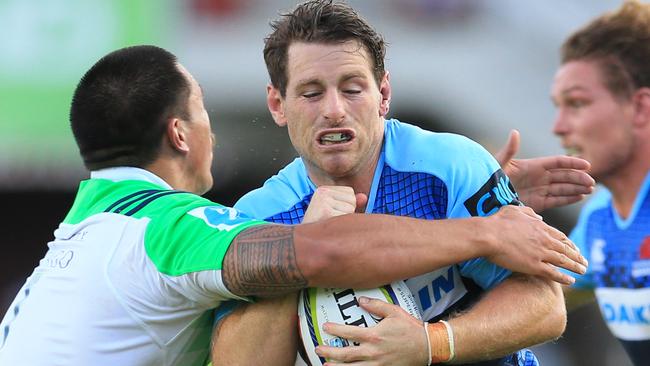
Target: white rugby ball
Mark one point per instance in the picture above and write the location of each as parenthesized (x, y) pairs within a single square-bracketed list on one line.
[(317, 306)]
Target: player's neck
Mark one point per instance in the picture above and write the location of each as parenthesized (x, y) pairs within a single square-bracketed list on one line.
[(172, 172), (626, 183)]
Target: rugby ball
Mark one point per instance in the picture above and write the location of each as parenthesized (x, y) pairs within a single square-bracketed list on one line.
[(317, 306)]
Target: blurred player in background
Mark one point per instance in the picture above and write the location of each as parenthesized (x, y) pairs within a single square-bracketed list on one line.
[(330, 89), (140, 262), (602, 94)]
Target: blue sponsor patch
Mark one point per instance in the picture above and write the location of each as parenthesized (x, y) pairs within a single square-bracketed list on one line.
[(222, 218)]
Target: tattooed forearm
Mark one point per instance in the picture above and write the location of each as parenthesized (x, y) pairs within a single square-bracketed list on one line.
[(261, 261)]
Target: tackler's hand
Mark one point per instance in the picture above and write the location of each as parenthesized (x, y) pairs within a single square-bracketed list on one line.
[(522, 242), (545, 182)]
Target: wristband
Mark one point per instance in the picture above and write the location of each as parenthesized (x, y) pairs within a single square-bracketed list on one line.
[(428, 344), (450, 335), (441, 342)]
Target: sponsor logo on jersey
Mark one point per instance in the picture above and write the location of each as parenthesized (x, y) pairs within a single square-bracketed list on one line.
[(621, 313), (626, 311), (496, 192), (59, 258), (436, 291), (221, 218)]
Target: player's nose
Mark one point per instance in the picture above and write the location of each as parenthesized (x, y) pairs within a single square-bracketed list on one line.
[(333, 108)]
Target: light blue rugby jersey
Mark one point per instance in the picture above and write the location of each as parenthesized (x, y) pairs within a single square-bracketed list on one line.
[(420, 174), (618, 251)]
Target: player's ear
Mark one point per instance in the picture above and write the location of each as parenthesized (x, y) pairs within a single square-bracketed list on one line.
[(177, 135), (274, 101), (385, 92), (641, 101)]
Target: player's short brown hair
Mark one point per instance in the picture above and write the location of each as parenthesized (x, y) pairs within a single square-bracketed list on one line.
[(321, 21), (619, 42)]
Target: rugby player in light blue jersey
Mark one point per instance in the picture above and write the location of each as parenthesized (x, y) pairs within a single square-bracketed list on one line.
[(140, 262), (602, 94), (330, 89)]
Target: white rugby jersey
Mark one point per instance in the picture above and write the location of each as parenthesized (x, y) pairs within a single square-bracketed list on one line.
[(130, 278)]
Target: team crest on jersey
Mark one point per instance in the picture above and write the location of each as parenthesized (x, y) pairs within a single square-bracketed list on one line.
[(221, 218), (597, 253), (496, 192)]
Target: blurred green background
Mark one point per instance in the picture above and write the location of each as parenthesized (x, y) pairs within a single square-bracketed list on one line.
[(46, 46)]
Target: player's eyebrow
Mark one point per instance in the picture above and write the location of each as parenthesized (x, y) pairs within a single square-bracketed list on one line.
[(565, 92), (573, 88), (353, 75), (308, 82), (317, 82)]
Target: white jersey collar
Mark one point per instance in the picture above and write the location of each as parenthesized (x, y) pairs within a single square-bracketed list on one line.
[(128, 173)]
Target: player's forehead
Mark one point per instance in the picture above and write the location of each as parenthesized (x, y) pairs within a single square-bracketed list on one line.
[(579, 78), (308, 61)]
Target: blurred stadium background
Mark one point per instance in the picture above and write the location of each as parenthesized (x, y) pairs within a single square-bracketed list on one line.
[(476, 67)]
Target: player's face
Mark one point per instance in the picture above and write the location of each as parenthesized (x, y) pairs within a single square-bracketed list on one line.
[(333, 108), (199, 138), (592, 123)]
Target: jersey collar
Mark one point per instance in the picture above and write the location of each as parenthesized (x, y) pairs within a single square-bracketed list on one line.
[(129, 173)]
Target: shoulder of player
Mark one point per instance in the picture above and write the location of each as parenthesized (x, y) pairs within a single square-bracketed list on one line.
[(185, 222), (168, 203), (409, 147), (598, 201), (279, 193), (601, 199), (133, 198)]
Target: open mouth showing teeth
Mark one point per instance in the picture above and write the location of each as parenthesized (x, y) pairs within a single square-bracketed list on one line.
[(335, 138)]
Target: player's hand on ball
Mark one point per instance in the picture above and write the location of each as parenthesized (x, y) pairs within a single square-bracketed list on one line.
[(545, 182), (397, 340), (330, 201), (544, 249)]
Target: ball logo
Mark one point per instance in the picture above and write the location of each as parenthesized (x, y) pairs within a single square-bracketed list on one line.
[(496, 192), (320, 305), (346, 301), (348, 305)]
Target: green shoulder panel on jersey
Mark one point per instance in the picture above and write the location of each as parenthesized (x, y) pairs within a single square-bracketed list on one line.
[(101, 195), (186, 233)]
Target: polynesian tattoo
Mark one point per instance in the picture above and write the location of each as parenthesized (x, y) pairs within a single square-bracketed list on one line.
[(261, 261)]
